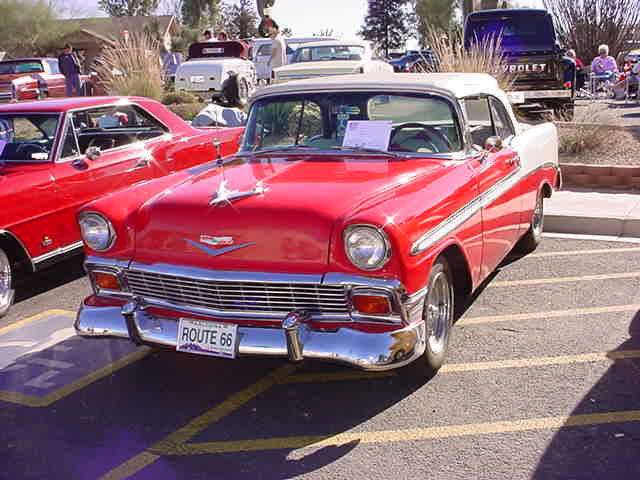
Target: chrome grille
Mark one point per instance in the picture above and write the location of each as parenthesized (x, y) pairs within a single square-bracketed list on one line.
[(236, 296)]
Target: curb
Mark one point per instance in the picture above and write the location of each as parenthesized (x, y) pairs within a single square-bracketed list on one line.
[(585, 225), (620, 177)]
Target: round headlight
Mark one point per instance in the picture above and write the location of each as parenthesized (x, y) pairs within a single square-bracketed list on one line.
[(367, 247), (96, 231)]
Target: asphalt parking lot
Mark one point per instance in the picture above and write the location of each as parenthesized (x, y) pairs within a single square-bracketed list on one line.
[(542, 381)]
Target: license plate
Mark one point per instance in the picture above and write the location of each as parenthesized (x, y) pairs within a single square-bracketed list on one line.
[(207, 338), (197, 79)]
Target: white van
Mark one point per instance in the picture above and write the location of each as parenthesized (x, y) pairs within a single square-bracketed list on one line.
[(261, 52)]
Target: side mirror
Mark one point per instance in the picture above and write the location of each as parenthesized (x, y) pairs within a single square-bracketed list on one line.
[(93, 153), (493, 144)]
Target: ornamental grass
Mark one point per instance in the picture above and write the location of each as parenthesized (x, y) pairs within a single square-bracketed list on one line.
[(132, 67), (484, 56)]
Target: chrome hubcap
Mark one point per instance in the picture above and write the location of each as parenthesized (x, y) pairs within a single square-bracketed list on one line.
[(536, 221), (438, 313), (5, 279)]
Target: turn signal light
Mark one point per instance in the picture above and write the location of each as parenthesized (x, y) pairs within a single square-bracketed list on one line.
[(106, 281), (372, 304)]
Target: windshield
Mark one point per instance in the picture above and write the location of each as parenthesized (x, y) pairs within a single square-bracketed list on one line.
[(417, 123), (332, 52), (517, 30), (20, 67), (27, 136)]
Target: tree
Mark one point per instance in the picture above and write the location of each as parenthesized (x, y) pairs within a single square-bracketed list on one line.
[(387, 24), (240, 20), (200, 13), (433, 15), (121, 8), (31, 27), (586, 24)]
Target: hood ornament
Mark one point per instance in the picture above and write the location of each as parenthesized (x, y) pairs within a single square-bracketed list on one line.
[(224, 195)]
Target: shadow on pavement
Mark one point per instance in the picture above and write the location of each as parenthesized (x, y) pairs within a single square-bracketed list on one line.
[(62, 273), (608, 450)]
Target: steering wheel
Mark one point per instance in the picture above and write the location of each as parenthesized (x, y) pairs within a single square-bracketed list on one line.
[(436, 140), (31, 148)]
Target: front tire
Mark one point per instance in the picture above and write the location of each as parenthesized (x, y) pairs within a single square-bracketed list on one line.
[(530, 240), (438, 317), (6, 284)]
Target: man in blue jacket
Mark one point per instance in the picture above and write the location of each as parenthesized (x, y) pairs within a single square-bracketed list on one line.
[(70, 68)]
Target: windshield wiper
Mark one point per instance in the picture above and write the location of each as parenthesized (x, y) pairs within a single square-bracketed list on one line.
[(365, 150), (286, 148)]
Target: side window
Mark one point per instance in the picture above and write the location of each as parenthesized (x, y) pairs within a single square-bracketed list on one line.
[(115, 126), (501, 120), (54, 68), (479, 117), (264, 50), (70, 143)]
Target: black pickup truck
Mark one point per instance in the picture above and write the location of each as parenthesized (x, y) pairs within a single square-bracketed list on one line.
[(545, 76)]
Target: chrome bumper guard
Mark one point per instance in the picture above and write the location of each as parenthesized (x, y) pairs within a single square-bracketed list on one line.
[(296, 339)]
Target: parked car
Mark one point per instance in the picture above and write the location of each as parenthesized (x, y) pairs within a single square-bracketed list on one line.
[(220, 70), (407, 62), (57, 155), (316, 240), (329, 58), (261, 52), (33, 78)]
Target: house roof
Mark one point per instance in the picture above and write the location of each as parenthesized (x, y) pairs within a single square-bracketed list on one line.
[(111, 28)]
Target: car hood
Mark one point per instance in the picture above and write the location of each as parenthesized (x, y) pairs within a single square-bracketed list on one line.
[(284, 225)]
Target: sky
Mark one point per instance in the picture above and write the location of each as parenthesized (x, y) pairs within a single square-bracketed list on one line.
[(345, 17)]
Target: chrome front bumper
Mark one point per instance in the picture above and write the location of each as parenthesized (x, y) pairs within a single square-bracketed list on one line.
[(295, 339)]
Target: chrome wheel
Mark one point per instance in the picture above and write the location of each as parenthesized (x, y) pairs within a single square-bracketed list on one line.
[(438, 312), (537, 220), (6, 290)]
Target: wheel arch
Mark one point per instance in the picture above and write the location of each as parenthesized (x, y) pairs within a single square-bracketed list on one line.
[(16, 251), (460, 271)]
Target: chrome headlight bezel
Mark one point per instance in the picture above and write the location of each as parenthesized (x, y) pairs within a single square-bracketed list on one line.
[(384, 246), (108, 230)]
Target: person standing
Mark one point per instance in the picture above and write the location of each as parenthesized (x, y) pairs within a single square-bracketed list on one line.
[(70, 68), (278, 49)]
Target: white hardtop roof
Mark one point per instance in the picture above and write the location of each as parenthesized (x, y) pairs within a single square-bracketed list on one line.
[(452, 84), (331, 43)]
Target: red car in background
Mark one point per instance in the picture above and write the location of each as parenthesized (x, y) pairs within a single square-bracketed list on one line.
[(57, 155), (32, 78)]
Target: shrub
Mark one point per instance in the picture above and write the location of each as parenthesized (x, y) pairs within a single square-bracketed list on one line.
[(588, 130), (187, 111), (132, 67), (176, 98), (481, 57)]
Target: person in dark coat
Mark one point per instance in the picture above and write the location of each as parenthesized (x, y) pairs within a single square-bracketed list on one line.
[(70, 68)]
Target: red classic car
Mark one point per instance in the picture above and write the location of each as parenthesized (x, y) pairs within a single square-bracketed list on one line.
[(32, 78), (56, 155), (359, 212)]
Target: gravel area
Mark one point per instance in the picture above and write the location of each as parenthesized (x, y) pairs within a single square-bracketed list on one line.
[(607, 144)]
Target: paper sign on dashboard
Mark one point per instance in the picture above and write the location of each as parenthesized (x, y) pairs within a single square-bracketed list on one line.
[(368, 134)]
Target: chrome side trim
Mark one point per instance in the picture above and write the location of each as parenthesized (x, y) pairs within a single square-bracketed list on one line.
[(458, 218), (56, 252)]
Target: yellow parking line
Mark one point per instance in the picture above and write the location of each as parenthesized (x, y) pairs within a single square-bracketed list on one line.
[(585, 278), (19, 398), (632, 307), (176, 441), (48, 313), (431, 433), (583, 252), (468, 367), (540, 361)]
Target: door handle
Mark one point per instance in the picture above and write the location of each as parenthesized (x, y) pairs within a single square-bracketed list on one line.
[(142, 163), (514, 161)]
